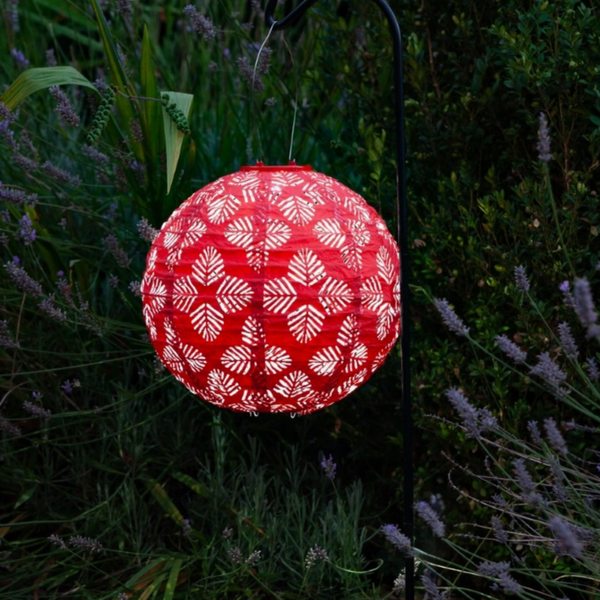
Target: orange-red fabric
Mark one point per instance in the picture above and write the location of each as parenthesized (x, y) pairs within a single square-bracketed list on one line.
[(273, 290)]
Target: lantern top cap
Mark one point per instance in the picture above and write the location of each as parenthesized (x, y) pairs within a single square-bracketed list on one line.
[(291, 166)]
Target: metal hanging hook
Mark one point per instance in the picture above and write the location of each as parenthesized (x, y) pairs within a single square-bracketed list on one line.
[(402, 235)]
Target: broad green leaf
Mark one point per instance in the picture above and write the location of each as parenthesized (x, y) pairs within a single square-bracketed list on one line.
[(151, 114), (152, 588), (166, 503), (174, 137), (146, 575), (192, 484), (173, 578), (34, 80)]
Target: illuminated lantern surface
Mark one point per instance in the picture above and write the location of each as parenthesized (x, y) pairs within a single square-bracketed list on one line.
[(274, 289)]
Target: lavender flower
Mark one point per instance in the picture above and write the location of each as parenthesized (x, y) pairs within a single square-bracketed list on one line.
[(593, 372), (22, 280), (315, 555), (511, 349), (146, 231), (85, 543), (251, 73), (8, 428), (555, 438), (270, 102), (431, 518), (235, 555), (550, 372), (26, 231), (526, 483), (521, 279), (475, 421), (451, 320), (6, 340), (17, 197), (509, 584), (36, 411), (226, 533), (57, 541), (543, 143), (566, 541), (64, 108), (47, 305), (97, 156), (20, 59), (498, 529), (399, 584), (253, 558), (534, 431), (397, 539), (60, 175), (51, 57), (12, 8), (568, 299), (432, 592), (186, 530), (584, 306), (113, 281), (136, 288), (493, 569), (568, 341), (111, 243), (199, 23), (329, 467)]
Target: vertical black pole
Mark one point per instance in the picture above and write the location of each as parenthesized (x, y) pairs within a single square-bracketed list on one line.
[(402, 235)]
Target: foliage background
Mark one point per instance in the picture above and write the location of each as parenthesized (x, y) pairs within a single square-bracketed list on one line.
[(114, 460)]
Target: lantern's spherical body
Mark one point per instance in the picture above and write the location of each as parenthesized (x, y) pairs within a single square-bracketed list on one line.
[(274, 289)]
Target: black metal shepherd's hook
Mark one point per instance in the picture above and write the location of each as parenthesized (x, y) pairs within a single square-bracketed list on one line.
[(402, 221)]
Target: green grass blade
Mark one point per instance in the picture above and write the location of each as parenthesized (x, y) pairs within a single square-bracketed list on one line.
[(151, 114), (192, 484), (34, 80), (173, 578), (174, 137)]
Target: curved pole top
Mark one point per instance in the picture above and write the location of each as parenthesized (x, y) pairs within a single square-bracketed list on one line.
[(289, 19)]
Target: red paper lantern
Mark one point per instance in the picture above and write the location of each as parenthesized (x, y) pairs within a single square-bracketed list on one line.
[(274, 289)]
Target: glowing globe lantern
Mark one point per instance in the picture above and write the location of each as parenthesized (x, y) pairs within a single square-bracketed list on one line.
[(274, 289)]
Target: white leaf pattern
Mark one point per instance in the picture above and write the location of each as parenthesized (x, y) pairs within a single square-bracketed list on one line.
[(185, 294), (278, 233), (295, 385), (352, 256), (222, 385), (276, 360), (358, 357), (279, 295), (222, 207), (194, 358), (326, 361), (238, 359), (296, 209), (252, 332), (348, 333), (240, 232), (329, 232), (335, 295), (305, 323), (306, 268), (233, 294), (207, 321), (385, 266), (372, 294), (208, 267)]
